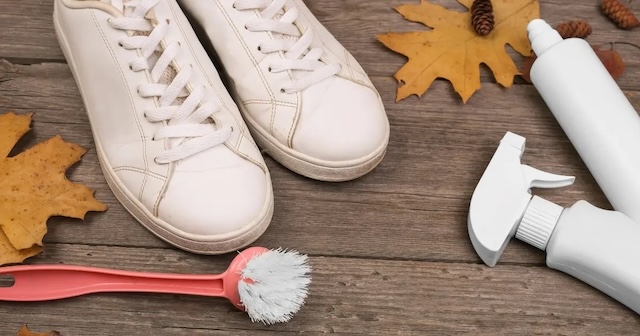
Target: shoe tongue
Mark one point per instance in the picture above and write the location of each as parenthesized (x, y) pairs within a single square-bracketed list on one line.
[(119, 5)]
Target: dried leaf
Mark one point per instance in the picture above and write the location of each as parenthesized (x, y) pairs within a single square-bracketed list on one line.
[(10, 255), (453, 50), (33, 187), (611, 60), (24, 331), (609, 57), (526, 67)]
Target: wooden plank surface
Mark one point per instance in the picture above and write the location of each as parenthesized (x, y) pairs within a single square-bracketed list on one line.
[(390, 251), (349, 296), (27, 35)]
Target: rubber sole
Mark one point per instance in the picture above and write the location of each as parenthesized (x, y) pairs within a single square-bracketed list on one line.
[(211, 245)]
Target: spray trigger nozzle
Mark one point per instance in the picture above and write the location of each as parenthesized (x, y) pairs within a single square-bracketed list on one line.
[(503, 196), (536, 178)]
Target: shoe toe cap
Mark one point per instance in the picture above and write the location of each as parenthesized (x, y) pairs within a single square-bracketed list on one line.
[(219, 202), (341, 121)]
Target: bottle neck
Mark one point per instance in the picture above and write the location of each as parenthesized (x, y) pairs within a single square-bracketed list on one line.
[(542, 36), (538, 222)]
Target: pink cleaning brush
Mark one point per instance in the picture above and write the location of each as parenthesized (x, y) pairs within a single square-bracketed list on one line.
[(270, 285)]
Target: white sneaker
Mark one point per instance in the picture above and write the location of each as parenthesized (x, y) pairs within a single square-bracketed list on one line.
[(306, 100), (172, 145)]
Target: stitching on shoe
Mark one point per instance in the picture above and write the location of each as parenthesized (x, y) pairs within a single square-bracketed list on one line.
[(141, 171), (163, 190), (267, 102), (352, 72), (242, 137), (131, 101), (355, 68), (294, 124), (273, 118), (247, 157), (358, 81)]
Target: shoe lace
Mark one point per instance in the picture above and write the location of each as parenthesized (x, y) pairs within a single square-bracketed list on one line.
[(298, 54), (181, 107)]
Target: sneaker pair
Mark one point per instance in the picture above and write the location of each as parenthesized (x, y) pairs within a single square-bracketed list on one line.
[(172, 141)]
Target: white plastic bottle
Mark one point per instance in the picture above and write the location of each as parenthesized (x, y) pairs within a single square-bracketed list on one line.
[(597, 246), (594, 113)]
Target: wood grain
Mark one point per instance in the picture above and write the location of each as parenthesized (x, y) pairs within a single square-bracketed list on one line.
[(348, 297), (390, 251)]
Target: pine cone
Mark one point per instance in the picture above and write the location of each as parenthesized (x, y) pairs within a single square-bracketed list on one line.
[(619, 14), (482, 16), (575, 28)]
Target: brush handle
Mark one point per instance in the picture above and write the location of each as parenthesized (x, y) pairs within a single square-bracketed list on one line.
[(51, 282)]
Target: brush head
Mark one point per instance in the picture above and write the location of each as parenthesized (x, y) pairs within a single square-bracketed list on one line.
[(274, 285)]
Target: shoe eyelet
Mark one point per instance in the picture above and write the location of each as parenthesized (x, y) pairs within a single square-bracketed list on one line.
[(282, 91), (234, 6), (168, 21), (130, 67), (259, 48), (270, 70), (156, 161), (120, 44)]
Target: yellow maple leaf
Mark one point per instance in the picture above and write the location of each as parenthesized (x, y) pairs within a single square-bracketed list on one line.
[(454, 51), (24, 331), (10, 255), (33, 187)]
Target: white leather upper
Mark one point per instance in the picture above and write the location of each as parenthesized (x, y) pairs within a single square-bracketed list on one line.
[(338, 119), (210, 193)]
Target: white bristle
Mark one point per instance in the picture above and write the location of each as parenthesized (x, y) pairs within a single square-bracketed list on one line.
[(280, 281)]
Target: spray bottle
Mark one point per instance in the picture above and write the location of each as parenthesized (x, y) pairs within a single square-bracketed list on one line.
[(597, 246), (594, 113)]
